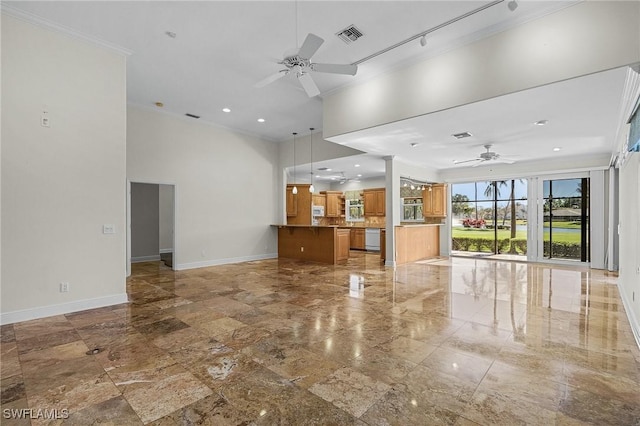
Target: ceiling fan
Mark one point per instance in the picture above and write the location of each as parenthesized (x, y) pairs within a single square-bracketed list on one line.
[(300, 64), (486, 156)]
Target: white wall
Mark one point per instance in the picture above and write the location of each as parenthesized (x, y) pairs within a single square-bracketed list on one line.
[(61, 183), (166, 218), (530, 55), (629, 228), (145, 221), (225, 195)]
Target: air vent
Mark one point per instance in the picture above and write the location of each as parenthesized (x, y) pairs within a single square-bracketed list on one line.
[(349, 34), (192, 116), (462, 135)]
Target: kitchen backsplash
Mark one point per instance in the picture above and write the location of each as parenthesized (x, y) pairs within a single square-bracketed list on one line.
[(369, 222)]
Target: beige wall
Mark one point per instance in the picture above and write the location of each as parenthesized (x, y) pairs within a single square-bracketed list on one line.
[(225, 195), (61, 184), (588, 37), (629, 221)]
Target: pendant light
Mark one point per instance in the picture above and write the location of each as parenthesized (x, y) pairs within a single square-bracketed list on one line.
[(295, 188), (311, 188)]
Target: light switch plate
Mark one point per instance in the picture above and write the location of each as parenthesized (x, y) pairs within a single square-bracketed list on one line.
[(108, 229)]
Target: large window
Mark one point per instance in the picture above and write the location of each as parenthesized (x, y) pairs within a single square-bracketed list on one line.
[(566, 219), (489, 217)]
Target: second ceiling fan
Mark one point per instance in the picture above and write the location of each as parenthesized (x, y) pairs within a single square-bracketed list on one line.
[(300, 64)]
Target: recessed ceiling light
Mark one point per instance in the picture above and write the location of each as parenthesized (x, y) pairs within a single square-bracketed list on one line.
[(359, 175), (260, 120), (556, 149), (170, 34), (414, 144), (226, 110), (541, 122), (462, 135), (356, 165)]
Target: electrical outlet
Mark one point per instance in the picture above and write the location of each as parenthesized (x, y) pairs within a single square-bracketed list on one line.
[(108, 229), (64, 287)]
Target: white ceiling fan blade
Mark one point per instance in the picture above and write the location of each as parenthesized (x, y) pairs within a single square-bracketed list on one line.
[(310, 45), (467, 161), (308, 85), (335, 68), (479, 162), (505, 160), (272, 78)]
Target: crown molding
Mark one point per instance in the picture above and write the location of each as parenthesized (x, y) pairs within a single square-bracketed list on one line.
[(45, 23)]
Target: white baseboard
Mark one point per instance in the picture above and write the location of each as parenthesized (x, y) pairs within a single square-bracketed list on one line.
[(166, 250), (216, 262), (633, 321), (63, 308), (139, 259)]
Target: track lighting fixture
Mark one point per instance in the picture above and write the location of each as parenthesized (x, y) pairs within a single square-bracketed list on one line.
[(512, 5)]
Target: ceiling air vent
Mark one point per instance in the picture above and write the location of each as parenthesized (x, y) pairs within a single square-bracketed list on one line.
[(462, 135), (349, 34), (192, 115)]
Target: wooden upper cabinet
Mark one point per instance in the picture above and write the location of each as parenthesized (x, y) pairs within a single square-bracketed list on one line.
[(292, 202), (319, 200), (434, 201), (299, 205), (335, 203), (374, 202)]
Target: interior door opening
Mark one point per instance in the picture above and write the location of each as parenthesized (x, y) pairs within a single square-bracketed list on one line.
[(151, 223)]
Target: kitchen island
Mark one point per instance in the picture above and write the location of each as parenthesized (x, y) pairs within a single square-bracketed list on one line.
[(326, 244), (416, 242)]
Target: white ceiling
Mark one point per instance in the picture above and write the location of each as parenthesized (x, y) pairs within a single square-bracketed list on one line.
[(222, 48)]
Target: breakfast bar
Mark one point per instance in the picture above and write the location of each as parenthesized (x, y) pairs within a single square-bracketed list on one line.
[(326, 244)]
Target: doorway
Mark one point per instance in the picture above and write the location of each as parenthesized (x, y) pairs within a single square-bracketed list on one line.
[(151, 223), (566, 219)]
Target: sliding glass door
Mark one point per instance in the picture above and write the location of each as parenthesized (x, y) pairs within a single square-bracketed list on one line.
[(566, 219)]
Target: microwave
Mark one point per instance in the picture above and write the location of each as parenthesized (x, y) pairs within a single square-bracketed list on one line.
[(317, 211)]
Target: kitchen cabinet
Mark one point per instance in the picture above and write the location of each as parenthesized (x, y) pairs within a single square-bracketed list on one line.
[(292, 202), (335, 203), (342, 244), (319, 200), (357, 238), (374, 202), (299, 205), (435, 201)]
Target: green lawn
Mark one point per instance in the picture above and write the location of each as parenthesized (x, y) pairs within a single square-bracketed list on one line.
[(558, 235)]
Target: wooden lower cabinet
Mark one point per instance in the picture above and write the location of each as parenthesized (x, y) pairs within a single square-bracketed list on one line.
[(357, 239), (383, 245), (416, 242), (326, 244), (342, 244)]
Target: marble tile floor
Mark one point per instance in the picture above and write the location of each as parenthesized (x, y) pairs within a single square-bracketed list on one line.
[(453, 341)]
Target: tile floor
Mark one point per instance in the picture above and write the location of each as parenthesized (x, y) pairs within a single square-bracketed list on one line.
[(447, 341)]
